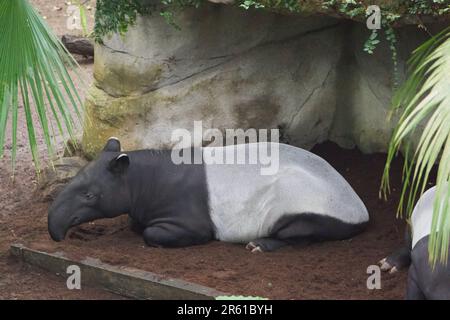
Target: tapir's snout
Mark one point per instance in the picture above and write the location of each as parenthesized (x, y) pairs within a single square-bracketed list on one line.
[(60, 220), (63, 215), (58, 225), (56, 228), (56, 235)]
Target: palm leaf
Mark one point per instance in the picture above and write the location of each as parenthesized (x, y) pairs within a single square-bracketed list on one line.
[(34, 72), (425, 100)]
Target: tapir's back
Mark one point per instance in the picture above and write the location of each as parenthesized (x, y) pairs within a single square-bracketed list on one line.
[(422, 216), (246, 198)]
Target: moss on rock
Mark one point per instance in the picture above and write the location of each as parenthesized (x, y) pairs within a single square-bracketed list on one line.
[(125, 73)]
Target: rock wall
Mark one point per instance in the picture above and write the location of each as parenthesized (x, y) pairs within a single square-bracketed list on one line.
[(233, 68)]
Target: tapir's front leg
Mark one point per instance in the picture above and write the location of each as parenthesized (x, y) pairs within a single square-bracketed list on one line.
[(171, 235), (135, 226)]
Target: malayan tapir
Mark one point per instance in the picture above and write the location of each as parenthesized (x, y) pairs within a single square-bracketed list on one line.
[(176, 205), (424, 282)]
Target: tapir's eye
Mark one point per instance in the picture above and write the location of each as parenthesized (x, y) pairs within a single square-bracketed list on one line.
[(89, 195)]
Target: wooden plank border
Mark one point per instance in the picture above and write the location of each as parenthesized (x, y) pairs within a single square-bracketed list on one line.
[(125, 281)]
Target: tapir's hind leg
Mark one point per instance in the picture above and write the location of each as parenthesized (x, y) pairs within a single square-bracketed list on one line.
[(400, 258), (303, 229), (313, 228), (413, 291), (265, 244)]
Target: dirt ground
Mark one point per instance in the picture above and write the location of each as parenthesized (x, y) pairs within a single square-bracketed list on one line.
[(18, 281), (331, 270)]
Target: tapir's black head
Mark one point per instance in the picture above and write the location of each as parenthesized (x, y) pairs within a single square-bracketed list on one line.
[(99, 190)]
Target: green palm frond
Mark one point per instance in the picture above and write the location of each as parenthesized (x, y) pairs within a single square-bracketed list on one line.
[(34, 72), (425, 99)]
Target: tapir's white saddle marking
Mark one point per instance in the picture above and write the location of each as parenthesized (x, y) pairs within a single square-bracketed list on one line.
[(245, 204)]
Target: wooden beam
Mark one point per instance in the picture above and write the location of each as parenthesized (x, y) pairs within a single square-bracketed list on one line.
[(125, 281)]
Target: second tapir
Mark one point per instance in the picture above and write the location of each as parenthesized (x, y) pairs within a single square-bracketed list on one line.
[(425, 281), (176, 205)]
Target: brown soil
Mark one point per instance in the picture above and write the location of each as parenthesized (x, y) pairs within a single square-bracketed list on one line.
[(327, 270), (18, 207)]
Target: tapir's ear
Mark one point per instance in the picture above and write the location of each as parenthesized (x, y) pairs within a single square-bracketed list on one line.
[(119, 164), (113, 145)]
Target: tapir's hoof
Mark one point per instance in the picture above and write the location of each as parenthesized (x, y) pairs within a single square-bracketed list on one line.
[(253, 247), (386, 266), (399, 260)]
